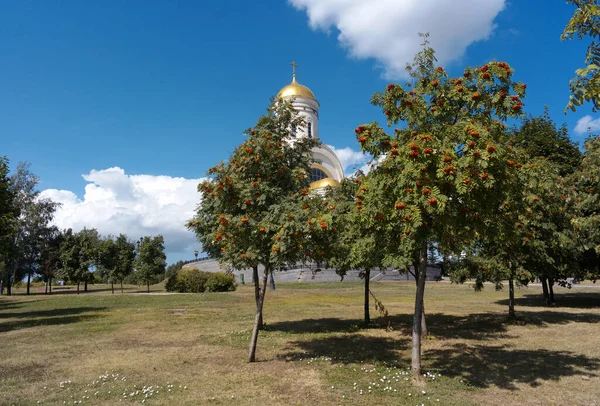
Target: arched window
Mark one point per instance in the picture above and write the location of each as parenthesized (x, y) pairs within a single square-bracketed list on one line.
[(317, 174), (310, 129)]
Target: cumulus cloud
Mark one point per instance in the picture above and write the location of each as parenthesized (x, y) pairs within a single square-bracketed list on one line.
[(349, 158), (136, 205), (386, 30), (587, 124)]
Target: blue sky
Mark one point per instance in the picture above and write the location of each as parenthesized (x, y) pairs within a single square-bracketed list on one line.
[(161, 90)]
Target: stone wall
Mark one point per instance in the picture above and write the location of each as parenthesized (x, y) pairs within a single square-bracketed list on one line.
[(311, 273)]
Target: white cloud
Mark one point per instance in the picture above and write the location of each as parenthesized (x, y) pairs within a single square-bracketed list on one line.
[(349, 158), (386, 30), (136, 205), (587, 124)]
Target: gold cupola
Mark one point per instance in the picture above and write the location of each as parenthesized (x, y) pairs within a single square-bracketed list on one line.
[(295, 89), (323, 183)]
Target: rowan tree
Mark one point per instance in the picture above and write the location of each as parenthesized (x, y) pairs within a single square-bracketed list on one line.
[(585, 86), (531, 235), (256, 208), (352, 246), (437, 177)]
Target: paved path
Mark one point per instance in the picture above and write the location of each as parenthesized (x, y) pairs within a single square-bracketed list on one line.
[(572, 286)]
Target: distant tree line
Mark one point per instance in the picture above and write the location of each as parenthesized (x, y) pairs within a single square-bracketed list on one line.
[(30, 245)]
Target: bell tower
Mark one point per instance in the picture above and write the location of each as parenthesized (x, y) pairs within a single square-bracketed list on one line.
[(305, 104)]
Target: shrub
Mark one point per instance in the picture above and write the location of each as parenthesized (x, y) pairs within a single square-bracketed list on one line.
[(188, 280), (220, 282)]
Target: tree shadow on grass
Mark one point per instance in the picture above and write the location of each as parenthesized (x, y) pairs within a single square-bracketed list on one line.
[(61, 290), (576, 300), (348, 348), (50, 312), (483, 365), (48, 318), (10, 304), (478, 326)]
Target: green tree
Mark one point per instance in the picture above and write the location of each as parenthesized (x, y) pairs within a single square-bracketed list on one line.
[(79, 253), (33, 224), (125, 258), (438, 176), (585, 86), (70, 257), (352, 246), (174, 268), (89, 241), (9, 212), (586, 198), (150, 260), (50, 257), (256, 208), (531, 235), (540, 137)]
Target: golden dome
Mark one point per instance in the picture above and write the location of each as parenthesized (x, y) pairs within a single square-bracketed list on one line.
[(295, 89), (323, 183)]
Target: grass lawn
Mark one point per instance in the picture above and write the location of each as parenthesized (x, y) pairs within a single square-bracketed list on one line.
[(190, 349)]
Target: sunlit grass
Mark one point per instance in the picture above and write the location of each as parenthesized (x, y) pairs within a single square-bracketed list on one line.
[(314, 350)]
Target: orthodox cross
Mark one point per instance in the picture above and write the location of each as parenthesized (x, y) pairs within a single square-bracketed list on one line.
[(294, 66)]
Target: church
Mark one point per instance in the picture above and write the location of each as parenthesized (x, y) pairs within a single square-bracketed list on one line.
[(327, 169)]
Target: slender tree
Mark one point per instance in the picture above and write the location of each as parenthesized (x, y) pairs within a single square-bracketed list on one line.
[(125, 258), (89, 241), (150, 260), (50, 258), (352, 246), (438, 176), (70, 257), (256, 208), (33, 223), (9, 213)]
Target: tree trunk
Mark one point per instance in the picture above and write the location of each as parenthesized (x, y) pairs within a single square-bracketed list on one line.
[(367, 280), (121, 285), (112, 287), (77, 287), (511, 299), (46, 288), (271, 281), (148, 284), (415, 366), (545, 290), (50, 285), (551, 290), (257, 293), (424, 331), (85, 285), (258, 318), (28, 283)]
